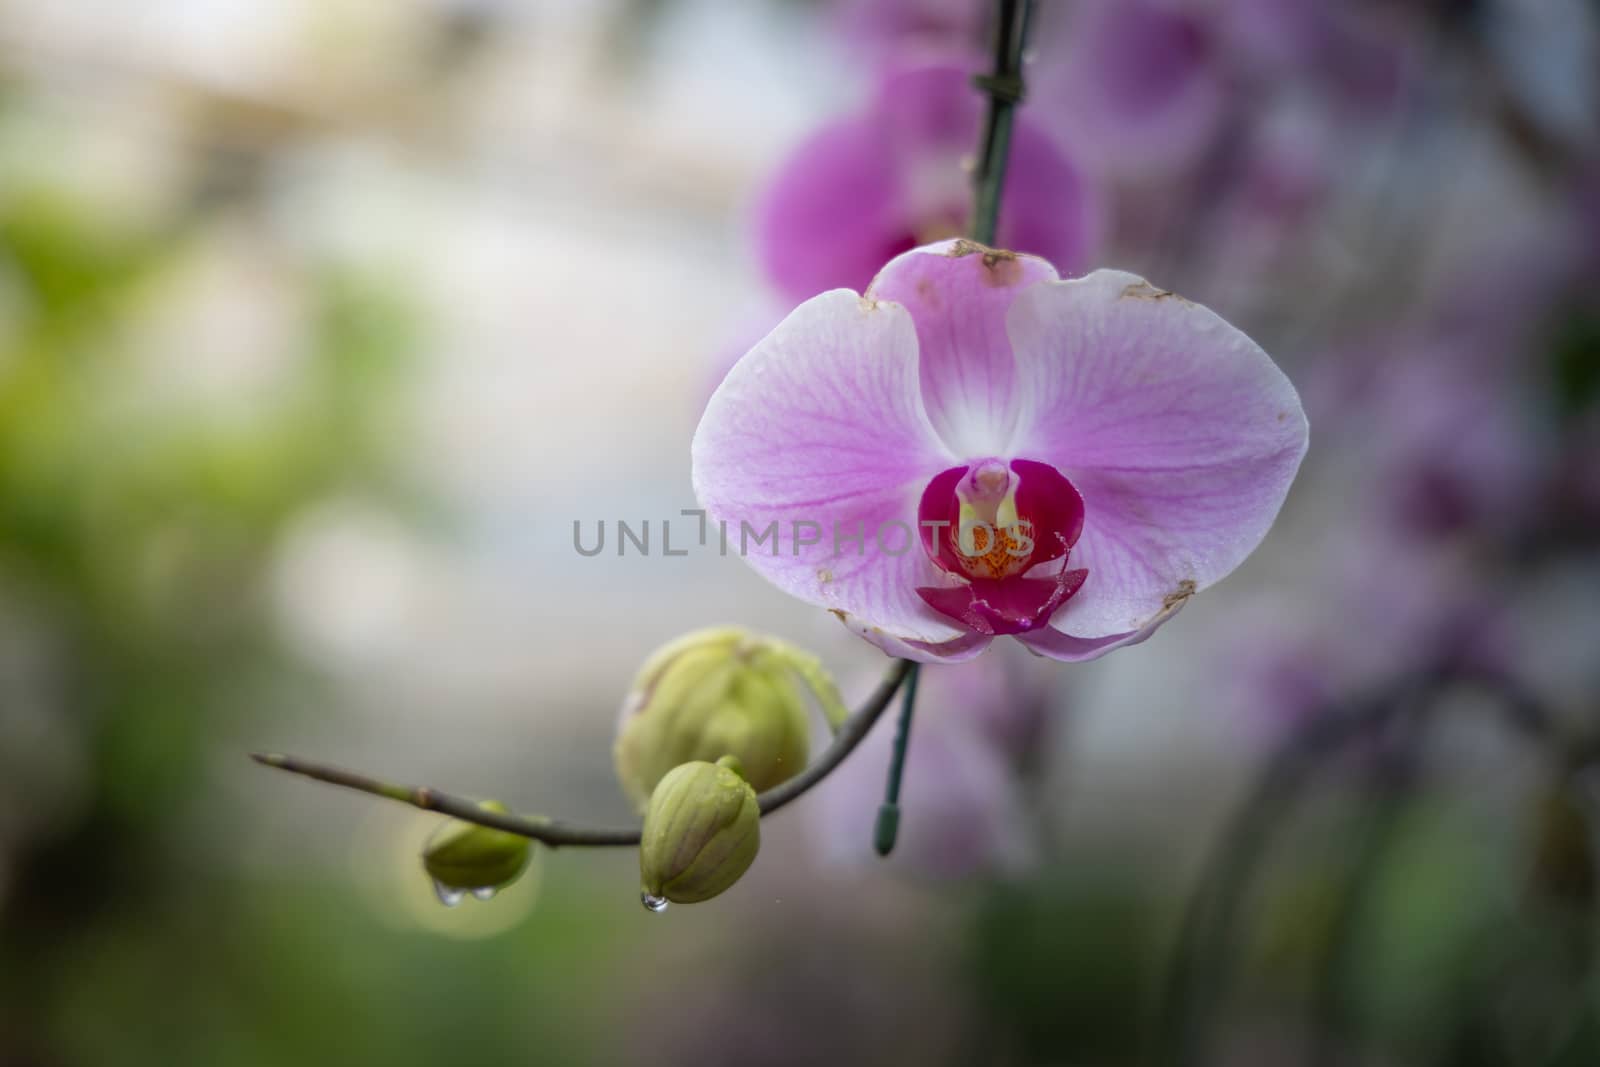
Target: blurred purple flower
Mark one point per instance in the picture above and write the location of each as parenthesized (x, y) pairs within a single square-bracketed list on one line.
[(866, 188), (1382, 603), (1435, 466), (1357, 60), (884, 29), (1461, 455), (1138, 86), (1269, 198), (1438, 420)]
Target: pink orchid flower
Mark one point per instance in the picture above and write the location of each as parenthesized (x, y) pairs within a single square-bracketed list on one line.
[(870, 186), (977, 447), (1141, 86)]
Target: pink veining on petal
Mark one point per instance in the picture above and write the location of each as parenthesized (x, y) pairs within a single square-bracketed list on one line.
[(1180, 433), (820, 430), (959, 294)]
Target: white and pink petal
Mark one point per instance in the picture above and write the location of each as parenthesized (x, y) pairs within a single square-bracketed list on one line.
[(1178, 430), (820, 429), (958, 294)]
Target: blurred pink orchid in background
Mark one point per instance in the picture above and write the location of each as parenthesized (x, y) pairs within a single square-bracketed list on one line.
[(873, 185), (887, 29), (1138, 84), (1145, 87), (1074, 458), (1356, 57)]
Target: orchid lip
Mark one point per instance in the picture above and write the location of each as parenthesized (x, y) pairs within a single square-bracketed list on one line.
[(987, 524)]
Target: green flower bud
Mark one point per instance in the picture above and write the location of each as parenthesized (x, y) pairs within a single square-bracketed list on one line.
[(701, 833), (721, 692), (464, 857)]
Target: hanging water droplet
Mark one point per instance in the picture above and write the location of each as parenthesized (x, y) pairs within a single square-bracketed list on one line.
[(485, 892), (653, 902), (448, 895)]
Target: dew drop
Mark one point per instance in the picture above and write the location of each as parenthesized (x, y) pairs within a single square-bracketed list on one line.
[(653, 902), (448, 896), (485, 892)]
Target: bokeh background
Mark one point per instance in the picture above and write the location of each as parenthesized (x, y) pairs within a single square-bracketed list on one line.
[(322, 321)]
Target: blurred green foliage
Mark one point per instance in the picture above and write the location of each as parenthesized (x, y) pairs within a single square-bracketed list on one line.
[(134, 545)]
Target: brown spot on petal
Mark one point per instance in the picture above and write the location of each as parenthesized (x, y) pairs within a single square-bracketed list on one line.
[(868, 304), (842, 616), (1000, 267), (824, 576), (1143, 290), (1184, 591)]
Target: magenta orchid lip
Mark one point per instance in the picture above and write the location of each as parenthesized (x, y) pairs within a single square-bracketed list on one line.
[(1137, 445)]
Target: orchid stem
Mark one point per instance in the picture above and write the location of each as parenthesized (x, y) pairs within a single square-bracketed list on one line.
[(554, 832), (1005, 89), (888, 825)]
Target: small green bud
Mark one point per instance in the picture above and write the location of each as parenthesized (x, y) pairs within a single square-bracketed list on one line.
[(701, 833), (715, 693), (464, 857)]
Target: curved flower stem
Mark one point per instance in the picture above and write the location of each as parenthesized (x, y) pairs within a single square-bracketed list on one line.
[(554, 832), (1004, 87)]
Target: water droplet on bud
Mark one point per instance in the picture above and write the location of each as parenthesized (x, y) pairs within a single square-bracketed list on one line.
[(448, 896), (485, 892), (653, 902)]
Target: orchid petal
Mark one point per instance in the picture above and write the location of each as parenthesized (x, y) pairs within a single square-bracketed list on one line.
[(956, 650), (958, 294), (1177, 429), (1051, 643), (820, 429)]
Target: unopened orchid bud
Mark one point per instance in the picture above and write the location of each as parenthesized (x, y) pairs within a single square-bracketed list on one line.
[(464, 858), (701, 833), (721, 692)]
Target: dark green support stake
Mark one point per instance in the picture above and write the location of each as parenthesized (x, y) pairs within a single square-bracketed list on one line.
[(888, 824)]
